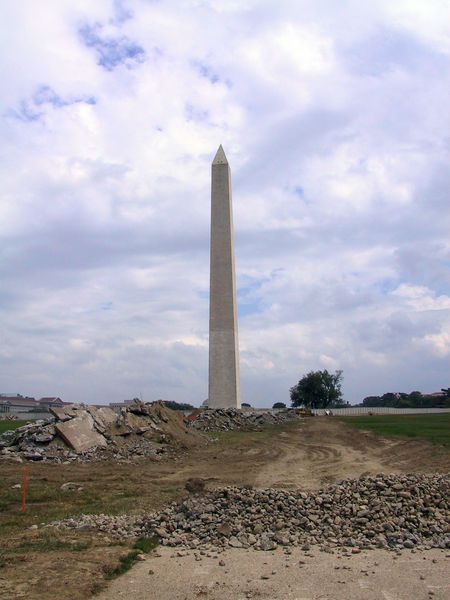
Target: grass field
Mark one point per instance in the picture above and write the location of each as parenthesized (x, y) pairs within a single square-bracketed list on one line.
[(8, 425), (434, 428)]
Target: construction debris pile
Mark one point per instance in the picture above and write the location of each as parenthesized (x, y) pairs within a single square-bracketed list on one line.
[(386, 511), (232, 419), (83, 433)]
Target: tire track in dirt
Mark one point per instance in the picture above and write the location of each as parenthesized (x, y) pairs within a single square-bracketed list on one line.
[(315, 452), (307, 462)]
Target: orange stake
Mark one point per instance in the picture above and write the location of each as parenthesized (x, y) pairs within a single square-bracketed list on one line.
[(24, 487)]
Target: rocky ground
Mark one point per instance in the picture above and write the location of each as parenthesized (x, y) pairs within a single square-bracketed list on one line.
[(387, 511), (231, 419)]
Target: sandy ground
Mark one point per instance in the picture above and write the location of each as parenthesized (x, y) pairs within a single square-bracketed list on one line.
[(371, 575)]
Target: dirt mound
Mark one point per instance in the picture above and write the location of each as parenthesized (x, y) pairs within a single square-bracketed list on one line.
[(233, 419), (83, 433)]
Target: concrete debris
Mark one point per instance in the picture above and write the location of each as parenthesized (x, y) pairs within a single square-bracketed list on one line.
[(83, 433), (232, 419), (80, 434), (386, 511)]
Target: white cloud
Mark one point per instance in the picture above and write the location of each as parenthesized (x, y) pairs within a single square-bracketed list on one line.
[(335, 122)]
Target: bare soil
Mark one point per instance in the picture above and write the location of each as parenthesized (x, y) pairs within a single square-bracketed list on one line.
[(246, 574), (42, 564)]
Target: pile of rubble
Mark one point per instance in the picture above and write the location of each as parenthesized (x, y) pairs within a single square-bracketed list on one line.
[(83, 433), (386, 511), (232, 419)]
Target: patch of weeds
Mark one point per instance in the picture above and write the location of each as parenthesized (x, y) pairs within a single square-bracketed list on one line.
[(97, 587), (9, 497), (51, 544), (145, 545), (141, 546), (130, 493), (11, 425), (116, 542)]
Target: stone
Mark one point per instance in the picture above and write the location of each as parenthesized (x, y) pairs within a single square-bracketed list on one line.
[(223, 332), (221, 517), (65, 413), (195, 485), (79, 433), (70, 486), (224, 529), (43, 438), (234, 542)]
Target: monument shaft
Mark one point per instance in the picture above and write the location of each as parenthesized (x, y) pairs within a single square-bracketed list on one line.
[(223, 331)]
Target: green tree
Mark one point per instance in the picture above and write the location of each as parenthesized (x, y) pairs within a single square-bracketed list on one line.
[(318, 389), (177, 405), (279, 405)]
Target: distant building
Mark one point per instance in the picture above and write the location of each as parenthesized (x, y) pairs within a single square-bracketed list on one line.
[(17, 404), (46, 402), (27, 407), (118, 405)]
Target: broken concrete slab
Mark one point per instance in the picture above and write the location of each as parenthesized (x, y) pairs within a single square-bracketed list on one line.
[(79, 433), (65, 413), (103, 417), (107, 415)]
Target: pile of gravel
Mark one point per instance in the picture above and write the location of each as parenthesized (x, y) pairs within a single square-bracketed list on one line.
[(233, 419), (386, 511)]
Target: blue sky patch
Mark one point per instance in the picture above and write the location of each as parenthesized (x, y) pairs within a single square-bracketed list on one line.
[(112, 52), (25, 112), (205, 71), (32, 109)]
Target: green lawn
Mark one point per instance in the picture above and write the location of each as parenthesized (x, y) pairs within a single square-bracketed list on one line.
[(8, 425), (435, 428)]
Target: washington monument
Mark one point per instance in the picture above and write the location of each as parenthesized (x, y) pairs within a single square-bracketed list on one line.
[(223, 331)]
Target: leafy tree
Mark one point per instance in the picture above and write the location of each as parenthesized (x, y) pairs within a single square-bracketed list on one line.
[(372, 401), (390, 399), (177, 405), (413, 400), (279, 405), (318, 389)]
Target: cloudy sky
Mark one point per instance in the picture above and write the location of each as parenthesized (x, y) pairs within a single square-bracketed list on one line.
[(336, 123)]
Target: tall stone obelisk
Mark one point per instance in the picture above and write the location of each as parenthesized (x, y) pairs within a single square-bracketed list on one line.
[(223, 331)]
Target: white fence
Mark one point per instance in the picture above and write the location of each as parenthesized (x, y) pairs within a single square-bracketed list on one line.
[(355, 411)]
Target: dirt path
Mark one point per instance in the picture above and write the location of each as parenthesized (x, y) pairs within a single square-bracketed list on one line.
[(374, 575), (310, 454)]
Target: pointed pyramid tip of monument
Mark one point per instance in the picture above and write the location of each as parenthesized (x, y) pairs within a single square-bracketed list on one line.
[(220, 158)]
